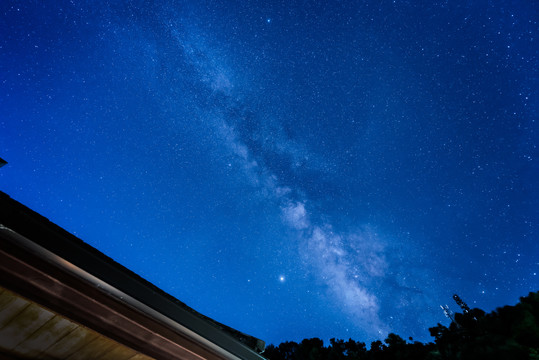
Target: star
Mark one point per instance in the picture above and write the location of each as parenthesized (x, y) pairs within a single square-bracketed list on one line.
[(235, 163)]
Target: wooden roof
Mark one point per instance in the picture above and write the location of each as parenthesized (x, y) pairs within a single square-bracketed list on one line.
[(28, 330), (44, 267)]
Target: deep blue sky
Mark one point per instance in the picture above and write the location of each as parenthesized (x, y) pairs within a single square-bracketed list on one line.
[(295, 169)]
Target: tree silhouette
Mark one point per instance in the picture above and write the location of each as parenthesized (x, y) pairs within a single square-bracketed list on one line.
[(510, 332)]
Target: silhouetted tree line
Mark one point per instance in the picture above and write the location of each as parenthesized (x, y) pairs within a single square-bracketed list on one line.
[(510, 332)]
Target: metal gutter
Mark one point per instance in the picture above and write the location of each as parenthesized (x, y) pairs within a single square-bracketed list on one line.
[(94, 268)]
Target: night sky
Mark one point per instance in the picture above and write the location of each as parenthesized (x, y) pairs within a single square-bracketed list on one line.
[(292, 169)]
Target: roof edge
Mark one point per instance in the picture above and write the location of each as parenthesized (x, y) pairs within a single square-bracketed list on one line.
[(59, 247)]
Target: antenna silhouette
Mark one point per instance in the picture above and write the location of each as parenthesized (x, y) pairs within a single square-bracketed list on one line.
[(461, 303), (447, 312)]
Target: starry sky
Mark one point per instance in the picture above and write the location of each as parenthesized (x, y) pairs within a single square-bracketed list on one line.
[(292, 169)]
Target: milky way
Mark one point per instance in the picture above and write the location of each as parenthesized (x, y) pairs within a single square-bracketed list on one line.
[(292, 170)]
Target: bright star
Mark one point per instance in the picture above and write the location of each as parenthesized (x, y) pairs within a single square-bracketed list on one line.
[(281, 278), (268, 20)]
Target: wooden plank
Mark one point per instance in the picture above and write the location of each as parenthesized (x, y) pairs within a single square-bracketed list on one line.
[(140, 357), (70, 343), (6, 297), (93, 349), (51, 332), (10, 306), (119, 352), (23, 325)]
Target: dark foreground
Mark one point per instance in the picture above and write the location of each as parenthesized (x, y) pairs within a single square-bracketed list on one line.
[(510, 332)]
